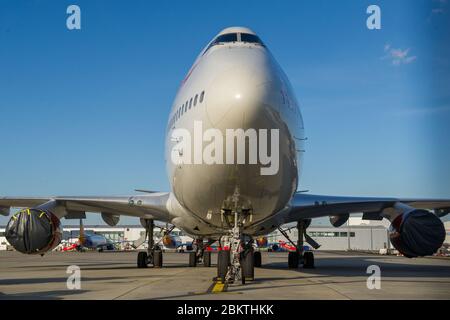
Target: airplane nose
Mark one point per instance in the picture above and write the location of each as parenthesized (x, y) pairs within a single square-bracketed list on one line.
[(239, 94)]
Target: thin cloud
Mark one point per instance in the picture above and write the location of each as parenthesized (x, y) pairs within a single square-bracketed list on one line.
[(398, 56)]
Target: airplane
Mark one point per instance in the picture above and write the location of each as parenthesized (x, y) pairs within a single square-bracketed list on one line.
[(284, 246), (235, 85), (90, 240), (170, 240), (280, 245)]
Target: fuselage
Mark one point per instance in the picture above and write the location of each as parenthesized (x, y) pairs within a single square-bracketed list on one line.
[(94, 241), (234, 84)]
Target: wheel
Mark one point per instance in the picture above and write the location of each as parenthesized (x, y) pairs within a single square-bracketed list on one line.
[(207, 259), (157, 259), (223, 261), (248, 266), (257, 259), (242, 276), (293, 259), (308, 260), (192, 259), (142, 259)]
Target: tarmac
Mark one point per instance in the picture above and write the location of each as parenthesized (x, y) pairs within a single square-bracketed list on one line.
[(114, 275)]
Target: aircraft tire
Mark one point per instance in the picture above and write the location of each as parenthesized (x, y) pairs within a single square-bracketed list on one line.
[(257, 259), (308, 260), (248, 266), (207, 259), (192, 259), (142, 259), (157, 259), (223, 261), (293, 260)]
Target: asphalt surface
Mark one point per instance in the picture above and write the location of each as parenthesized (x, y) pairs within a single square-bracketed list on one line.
[(113, 275)]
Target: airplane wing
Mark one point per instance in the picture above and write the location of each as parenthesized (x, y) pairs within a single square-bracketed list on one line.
[(149, 206), (306, 206)]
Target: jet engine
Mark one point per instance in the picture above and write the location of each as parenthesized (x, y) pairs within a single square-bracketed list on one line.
[(169, 241), (262, 242), (417, 233), (337, 221), (33, 231)]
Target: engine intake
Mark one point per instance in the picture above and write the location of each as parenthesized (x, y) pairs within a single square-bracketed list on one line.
[(33, 231), (417, 233)]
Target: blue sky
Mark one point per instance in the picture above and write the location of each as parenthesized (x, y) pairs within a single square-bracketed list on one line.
[(83, 112)]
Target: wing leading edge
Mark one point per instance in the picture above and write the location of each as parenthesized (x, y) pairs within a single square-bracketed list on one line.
[(149, 206), (307, 206)]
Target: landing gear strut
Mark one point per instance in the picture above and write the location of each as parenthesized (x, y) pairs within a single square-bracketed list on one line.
[(299, 256), (238, 262), (200, 255), (153, 256)]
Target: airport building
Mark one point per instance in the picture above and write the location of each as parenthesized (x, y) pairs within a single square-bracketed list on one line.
[(367, 238), (357, 234)]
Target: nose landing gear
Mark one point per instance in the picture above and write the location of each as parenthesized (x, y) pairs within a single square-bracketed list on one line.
[(237, 263)]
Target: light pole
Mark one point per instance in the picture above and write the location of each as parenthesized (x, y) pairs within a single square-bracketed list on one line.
[(348, 234)]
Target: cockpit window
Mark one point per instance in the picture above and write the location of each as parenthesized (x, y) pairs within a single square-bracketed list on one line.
[(235, 37), (229, 37), (247, 37)]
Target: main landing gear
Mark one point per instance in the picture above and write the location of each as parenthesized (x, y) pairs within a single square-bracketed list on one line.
[(237, 263), (153, 256), (200, 255), (300, 256)]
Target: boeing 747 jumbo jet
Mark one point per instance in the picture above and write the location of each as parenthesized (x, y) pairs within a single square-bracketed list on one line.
[(234, 146)]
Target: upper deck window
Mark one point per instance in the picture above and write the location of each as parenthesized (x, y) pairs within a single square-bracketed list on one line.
[(252, 38)]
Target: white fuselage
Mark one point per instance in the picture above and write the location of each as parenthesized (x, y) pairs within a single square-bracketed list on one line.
[(243, 88)]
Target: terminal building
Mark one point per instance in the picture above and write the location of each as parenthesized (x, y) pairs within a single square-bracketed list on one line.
[(357, 234)]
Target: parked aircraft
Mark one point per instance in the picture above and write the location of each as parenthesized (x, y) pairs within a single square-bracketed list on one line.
[(223, 188)]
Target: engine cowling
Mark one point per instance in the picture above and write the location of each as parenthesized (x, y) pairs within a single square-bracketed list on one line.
[(33, 231), (337, 221), (169, 241), (262, 242), (417, 233)]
